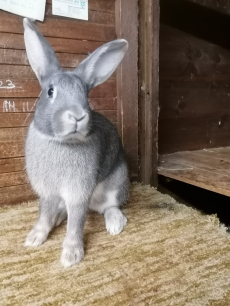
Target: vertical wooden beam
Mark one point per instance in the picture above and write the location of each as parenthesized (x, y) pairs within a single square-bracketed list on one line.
[(148, 89), (127, 81)]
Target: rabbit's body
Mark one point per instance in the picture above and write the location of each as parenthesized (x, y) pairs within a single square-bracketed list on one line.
[(74, 156), (55, 167)]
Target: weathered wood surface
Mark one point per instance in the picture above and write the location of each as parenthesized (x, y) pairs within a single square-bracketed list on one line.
[(148, 90), (25, 105), (127, 82), (208, 169), (61, 27), (194, 75), (16, 194)]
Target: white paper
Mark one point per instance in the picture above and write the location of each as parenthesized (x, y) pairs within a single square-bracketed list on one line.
[(71, 8), (34, 9)]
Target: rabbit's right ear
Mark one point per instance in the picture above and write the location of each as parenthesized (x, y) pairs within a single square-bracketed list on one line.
[(40, 54)]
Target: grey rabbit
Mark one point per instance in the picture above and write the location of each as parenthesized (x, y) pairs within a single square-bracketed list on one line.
[(74, 157)]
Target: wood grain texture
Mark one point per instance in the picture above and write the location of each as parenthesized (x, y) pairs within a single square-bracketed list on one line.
[(30, 88), (19, 57), (76, 46), (12, 164), (194, 78), (16, 194), (12, 142), (148, 89), (127, 82), (208, 22), (208, 169), (13, 179), (60, 27), (25, 105)]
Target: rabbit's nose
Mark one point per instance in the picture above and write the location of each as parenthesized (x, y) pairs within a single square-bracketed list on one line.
[(75, 118)]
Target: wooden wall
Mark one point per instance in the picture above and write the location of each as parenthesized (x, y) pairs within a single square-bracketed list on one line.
[(194, 75), (72, 40)]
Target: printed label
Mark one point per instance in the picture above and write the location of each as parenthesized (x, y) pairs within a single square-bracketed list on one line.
[(71, 8), (34, 9)]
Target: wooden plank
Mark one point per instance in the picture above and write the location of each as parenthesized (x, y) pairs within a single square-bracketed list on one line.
[(193, 133), (12, 134), (17, 72), (60, 27), (25, 72), (15, 119), (25, 105), (127, 82), (16, 194), (103, 103), (202, 180), (98, 5), (221, 154), (192, 159), (149, 89), (30, 88), (194, 88), (182, 101), (209, 25), (12, 179), (212, 175), (16, 41), (12, 142), (10, 149), (12, 164), (94, 16), (19, 57)]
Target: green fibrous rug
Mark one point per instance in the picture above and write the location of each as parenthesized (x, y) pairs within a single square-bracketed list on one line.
[(168, 254)]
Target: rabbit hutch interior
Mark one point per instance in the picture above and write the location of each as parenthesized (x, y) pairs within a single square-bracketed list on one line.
[(169, 98), (194, 119)]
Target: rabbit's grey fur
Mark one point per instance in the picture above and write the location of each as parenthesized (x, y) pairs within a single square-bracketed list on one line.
[(74, 156)]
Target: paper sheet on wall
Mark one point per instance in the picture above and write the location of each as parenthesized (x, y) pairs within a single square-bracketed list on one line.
[(71, 8), (34, 9)]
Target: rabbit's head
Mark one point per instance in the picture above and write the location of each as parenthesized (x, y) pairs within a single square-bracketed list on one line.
[(63, 111)]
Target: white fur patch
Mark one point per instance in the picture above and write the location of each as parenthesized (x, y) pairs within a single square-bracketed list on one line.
[(36, 237), (115, 221), (110, 199), (71, 255)]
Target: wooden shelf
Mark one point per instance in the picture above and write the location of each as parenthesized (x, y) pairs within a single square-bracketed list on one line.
[(208, 169)]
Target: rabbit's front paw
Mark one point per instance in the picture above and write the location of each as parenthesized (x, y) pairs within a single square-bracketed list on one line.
[(115, 221), (35, 237), (72, 255)]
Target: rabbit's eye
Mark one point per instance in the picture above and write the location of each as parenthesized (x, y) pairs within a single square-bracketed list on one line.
[(50, 92)]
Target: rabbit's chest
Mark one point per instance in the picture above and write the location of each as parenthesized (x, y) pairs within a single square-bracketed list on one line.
[(51, 165)]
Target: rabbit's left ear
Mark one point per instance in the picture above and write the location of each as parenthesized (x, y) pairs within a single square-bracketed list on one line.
[(40, 54), (99, 66)]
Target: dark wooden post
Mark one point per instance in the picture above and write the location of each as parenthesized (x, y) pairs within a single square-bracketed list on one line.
[(148, 89), (127, 81)]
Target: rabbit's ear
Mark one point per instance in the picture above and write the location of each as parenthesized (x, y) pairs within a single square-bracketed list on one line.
[(40, 54), (99, 66)]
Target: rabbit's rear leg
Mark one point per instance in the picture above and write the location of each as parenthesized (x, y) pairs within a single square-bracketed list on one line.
[(45, 223), (61, 213), (107, 202)]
